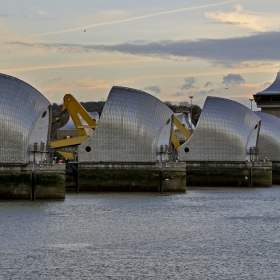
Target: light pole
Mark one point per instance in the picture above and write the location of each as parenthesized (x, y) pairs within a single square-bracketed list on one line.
[(191, 97), (251, 102)]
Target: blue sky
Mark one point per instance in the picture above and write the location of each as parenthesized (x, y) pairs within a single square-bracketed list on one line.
[(171, 49)]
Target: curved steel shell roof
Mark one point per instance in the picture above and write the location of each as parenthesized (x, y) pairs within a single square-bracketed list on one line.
[(128, 129), (269, 137), (222, 132), (20, 107)]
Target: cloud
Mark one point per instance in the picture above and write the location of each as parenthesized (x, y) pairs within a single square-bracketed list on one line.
[(178, 94), (92, 84), (245, 19), (228, 52), (38, 10), (265, 85), (67, 65), (52, 80), (207, 92), (60, 87), (110, 13), (139, 17), (208, 84), (189, 83), (30, 13), (233, 79), (154, 89)]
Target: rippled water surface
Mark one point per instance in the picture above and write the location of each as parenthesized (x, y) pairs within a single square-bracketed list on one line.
[(202, 234)]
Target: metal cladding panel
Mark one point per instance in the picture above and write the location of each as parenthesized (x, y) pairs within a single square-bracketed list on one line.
[(222, 132), (128, 129), (269, 137), (20, 107)]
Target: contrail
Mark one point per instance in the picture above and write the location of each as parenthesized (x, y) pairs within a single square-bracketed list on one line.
[(137, 18)]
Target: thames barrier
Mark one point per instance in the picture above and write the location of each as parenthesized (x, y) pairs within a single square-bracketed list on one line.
[(137, 143)]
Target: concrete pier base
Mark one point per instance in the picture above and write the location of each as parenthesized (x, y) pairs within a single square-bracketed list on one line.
[(276, 172), (136, 177), (229, 174), (41, 181)]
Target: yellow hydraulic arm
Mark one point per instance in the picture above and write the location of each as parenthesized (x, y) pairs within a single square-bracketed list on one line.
[(175, 140), (75, 109), (182, 129), (68, 142), (58, 118)]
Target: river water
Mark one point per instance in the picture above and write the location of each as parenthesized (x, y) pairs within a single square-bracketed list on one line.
[(205, 233)]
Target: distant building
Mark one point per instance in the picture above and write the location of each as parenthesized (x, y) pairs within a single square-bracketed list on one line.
[(269, 99)]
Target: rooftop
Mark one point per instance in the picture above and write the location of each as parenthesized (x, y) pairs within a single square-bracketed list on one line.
[(274, 88)]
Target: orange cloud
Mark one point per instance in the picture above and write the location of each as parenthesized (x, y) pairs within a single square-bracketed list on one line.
[(246, 19), (56, 88)]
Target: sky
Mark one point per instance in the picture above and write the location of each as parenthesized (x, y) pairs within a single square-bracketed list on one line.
[(170, 49)]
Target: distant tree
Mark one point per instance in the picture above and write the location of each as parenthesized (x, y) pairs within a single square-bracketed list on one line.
[(56, 108), (168, 103), (172, 106), (196, 110), (184, 107), (92, 106), (184, 104)]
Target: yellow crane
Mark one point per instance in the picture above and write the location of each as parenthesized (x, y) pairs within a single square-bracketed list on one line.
[(76, 111), (182, 129)]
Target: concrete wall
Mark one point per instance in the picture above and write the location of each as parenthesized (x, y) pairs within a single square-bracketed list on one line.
[(15, 183), (276, 172), (272, 111), (132, 177), (242, 174), (48, 181)]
